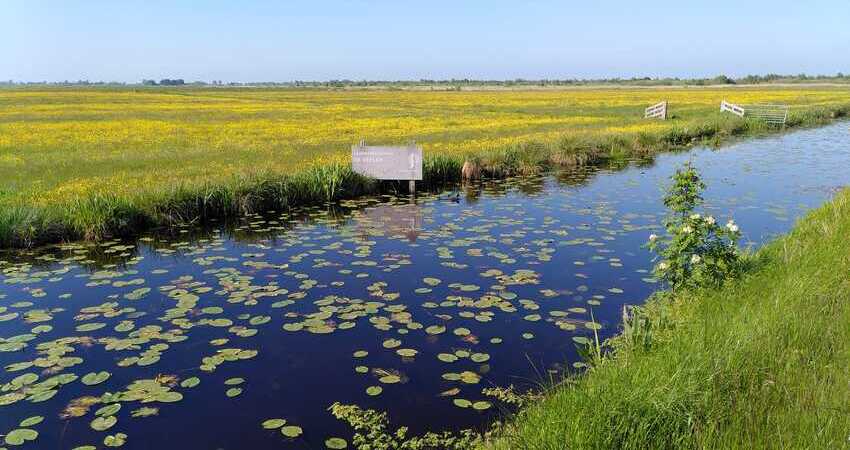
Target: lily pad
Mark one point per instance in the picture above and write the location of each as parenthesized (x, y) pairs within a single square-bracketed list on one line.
[(20, 435), (103, 423), (34, 420), (291, 431), (374, 390), (274, 424), (233, 392), (336, 443), (95, 378), (190, 382), (462, 403)]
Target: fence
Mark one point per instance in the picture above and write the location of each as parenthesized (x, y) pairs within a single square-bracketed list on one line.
[(772, 114), (657, 111)]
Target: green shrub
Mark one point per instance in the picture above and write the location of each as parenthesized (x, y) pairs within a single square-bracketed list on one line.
[(698, 252)]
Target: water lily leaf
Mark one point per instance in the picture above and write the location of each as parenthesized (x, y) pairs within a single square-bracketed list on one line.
[(462, 403), (190, 382), (479, 357), (42, 396), (391, 343), (431, 281), (274, 424), (20, 435), (447, 357), (292, 431), (374, 390), (86, 327), (233, 392), (108, 410), (145, 412), (336, 443), (103, 423), (95, 378), (115, 440), (435, 329), (28, 422), (482, 405), (390, 379)]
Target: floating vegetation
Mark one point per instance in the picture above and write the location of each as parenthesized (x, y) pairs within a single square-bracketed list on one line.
[(318, 304)]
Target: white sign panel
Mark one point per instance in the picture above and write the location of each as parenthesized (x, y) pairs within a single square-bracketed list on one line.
[(387, 163)]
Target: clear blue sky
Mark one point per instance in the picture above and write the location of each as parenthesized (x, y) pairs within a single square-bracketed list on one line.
[(251, 40)]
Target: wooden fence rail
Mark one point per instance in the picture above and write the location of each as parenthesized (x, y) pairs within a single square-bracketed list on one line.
[(732, 108), (657, 111)]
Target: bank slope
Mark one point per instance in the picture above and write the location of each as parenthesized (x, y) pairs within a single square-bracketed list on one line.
[(764, 363)]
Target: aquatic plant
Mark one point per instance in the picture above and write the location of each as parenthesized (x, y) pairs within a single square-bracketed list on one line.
[(372, 432)]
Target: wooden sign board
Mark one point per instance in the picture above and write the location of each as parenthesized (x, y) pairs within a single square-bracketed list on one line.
[(387, 163), (657, 111)]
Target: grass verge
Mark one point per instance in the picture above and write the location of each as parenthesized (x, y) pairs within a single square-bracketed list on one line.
[(761, 363), (99, 216)]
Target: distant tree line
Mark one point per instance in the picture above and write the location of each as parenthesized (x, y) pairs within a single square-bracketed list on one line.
[(454, 83), (164, 82)]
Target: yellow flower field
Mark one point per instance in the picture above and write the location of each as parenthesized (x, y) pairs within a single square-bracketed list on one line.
[(60, 143)]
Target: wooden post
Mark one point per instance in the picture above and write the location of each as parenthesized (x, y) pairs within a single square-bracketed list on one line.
[(412, 187)]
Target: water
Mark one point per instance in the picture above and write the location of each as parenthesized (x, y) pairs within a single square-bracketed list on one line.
[(522, 261)]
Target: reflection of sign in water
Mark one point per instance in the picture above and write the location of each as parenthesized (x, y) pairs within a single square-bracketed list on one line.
[(387, 163), (392, 220)]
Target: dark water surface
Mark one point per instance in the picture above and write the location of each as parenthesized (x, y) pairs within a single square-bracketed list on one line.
[(499, 284)]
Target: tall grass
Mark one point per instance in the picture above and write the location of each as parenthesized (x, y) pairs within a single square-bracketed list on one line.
[(763, 363), (96, 216)]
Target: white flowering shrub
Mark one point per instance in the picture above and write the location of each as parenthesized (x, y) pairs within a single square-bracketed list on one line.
[(697, 251)]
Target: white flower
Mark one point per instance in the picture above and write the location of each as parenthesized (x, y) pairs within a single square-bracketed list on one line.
[(710, 220), (695, 216), (653, 237), (663, 266), (687, 229), (695, 259), (731, 226)]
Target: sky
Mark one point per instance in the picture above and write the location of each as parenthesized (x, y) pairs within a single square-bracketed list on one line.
[(252, 40)]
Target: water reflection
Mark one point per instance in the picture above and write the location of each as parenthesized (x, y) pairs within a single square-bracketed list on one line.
[(390, 220)]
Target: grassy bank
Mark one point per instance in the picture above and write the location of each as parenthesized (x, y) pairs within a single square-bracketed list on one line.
[(764, 363), (85, 164)]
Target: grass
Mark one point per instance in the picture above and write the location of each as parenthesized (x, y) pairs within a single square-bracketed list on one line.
[(93, 162), (761, 363)]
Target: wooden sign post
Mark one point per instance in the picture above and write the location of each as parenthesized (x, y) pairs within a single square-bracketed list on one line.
[(388, 162)]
